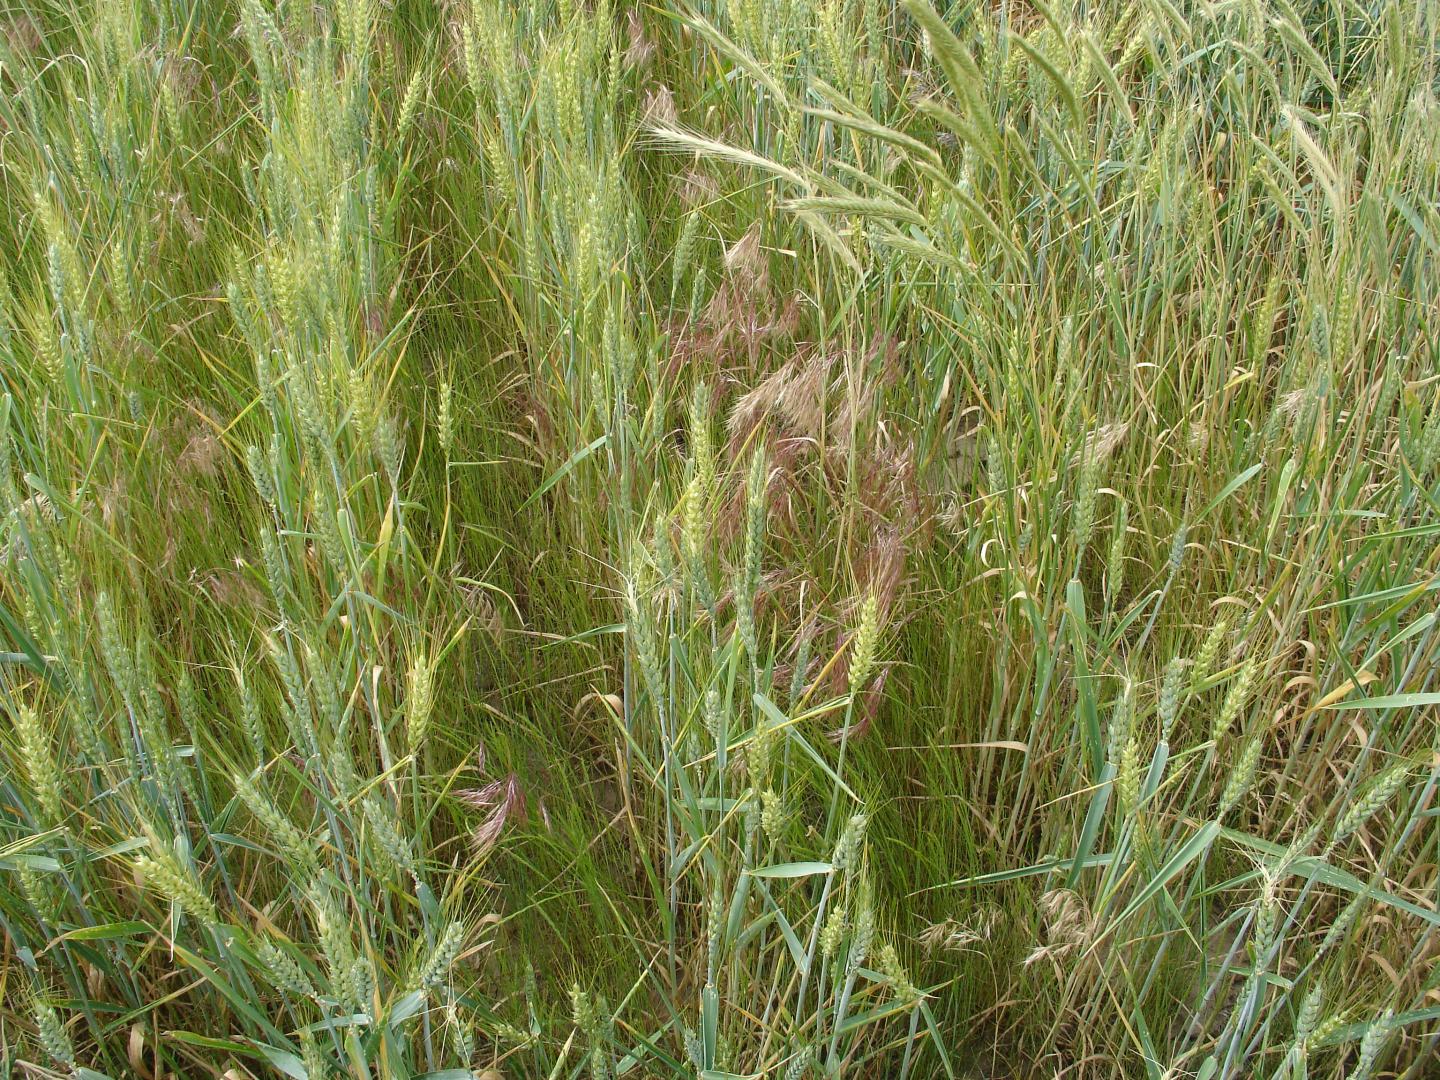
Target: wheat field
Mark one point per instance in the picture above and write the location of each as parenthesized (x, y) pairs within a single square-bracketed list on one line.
[(719, 539)]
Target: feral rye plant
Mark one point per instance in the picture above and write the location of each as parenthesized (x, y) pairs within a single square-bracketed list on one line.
[(719, 539)]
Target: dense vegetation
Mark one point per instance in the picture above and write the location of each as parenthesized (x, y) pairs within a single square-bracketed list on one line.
[(768, 538)]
